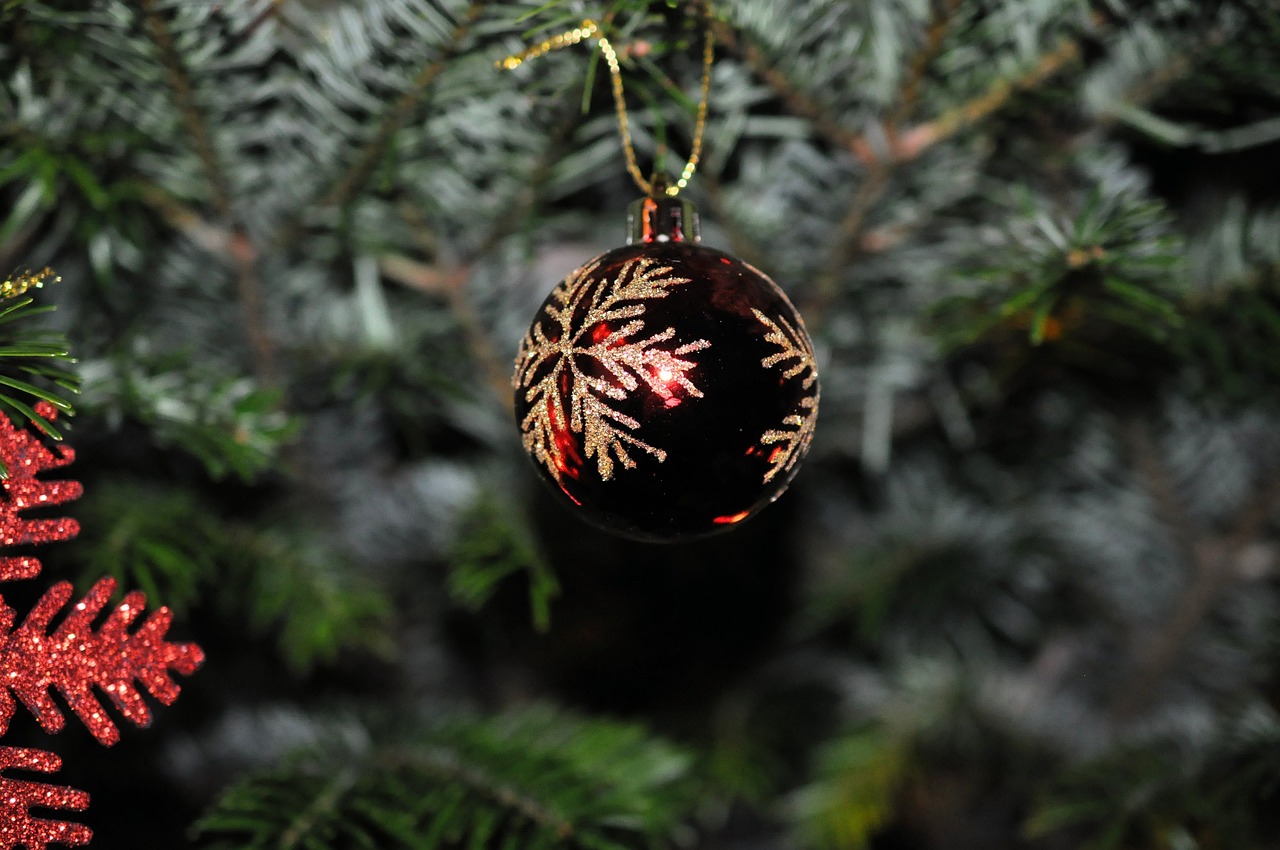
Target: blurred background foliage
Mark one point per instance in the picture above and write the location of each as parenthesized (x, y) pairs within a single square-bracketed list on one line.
[(1023, 593)]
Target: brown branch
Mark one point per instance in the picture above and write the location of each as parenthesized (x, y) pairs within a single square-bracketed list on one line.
[(742, 244), (924, 57), (915, 140), (850, 241), (797, 102), (184, 97), (1215, 563), (344, 189), (452, 283), (242, 253), (924, 136)]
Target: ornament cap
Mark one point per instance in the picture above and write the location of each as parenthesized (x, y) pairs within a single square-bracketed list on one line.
[(662, 218)]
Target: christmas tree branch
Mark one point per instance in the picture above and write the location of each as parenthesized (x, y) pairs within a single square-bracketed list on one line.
[(211, 236), (846, 246), (535, 778), (924, 136), (797, 102), (452, 284), (300, 828), (742, 244), (1215, 566), (910, 92), (184, 96), (344, 189), (914, 141), (445, 764), (849, 236), (248, 285)]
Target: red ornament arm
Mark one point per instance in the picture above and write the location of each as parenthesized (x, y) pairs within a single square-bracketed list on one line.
[(18, 828)]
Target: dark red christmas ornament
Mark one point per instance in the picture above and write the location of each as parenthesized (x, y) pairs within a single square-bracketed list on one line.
[(665, 389)]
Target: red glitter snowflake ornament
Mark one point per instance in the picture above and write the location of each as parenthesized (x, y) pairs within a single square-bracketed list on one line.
[(75, 657)]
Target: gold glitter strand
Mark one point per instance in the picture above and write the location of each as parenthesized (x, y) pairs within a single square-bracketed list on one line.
[(590, 29), (27, 280)]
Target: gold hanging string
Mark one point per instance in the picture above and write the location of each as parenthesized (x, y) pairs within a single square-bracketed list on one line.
[(590, 29)]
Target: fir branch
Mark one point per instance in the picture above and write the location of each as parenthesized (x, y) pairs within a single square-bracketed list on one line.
[(453, 284), (184, 97), (175, 546), (242, 253), (534, 778), (924, 136), (231, 424), (919, 66), (849, 242), (345, 188), (492, 546), (1160, 792), (797, 102), (1215, 568), (913, 141), (858, 776), (40, 356)]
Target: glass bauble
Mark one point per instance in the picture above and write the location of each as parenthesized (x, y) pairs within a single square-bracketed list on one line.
[(666, 390)]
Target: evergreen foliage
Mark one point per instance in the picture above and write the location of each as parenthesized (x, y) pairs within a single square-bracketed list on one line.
[(1022, 593), (529, 778), (32, 354)]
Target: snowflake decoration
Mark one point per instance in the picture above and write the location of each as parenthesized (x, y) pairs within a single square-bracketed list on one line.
[(594, 356), (795, 356), (24, 455), (75, 658)]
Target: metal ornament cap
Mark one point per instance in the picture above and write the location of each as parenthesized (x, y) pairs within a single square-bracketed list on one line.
[(666, 390)]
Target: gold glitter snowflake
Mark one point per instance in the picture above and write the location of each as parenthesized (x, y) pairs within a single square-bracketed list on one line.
[(795, 356), (594, 353)]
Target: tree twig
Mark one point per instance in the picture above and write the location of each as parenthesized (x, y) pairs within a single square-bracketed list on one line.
[(848, 243), (910, 91), (741, 244), (452, 283), (344, 188), (925, 136), (796, 101), (1214, 564), (913, 141), (242, 252)]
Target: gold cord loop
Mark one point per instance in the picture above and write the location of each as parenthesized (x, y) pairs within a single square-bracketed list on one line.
[(590, 29)]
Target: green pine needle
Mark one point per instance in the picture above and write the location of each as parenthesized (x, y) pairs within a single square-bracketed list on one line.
[(534, 778)]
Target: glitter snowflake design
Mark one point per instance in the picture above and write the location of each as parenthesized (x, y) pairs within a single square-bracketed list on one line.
[(594, 354), (24, 455), (80, 654), (795, 358)]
